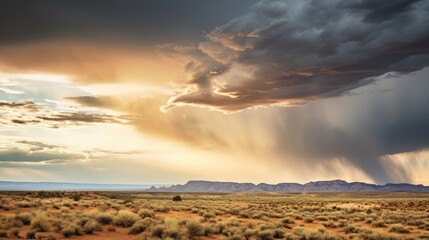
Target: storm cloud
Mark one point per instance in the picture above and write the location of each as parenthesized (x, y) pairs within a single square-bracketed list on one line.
[(363, 130), (360, 131), (293, 52), (129, 22), (289, 90)]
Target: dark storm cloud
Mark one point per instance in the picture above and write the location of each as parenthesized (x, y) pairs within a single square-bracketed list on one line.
[(130, 20), (367, 128), (297, 51)]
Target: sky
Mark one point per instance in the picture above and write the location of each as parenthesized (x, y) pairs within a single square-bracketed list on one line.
[(164, 91)]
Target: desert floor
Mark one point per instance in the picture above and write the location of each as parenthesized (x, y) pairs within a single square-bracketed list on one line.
[(140, 215)]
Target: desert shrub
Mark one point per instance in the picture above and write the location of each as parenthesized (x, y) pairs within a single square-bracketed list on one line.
[(398, 228), (308, 220), (169, 228), (3, 234), (232, 233), (82, 220), (177, 198), (104, 218), (125, 218), (25, 204), (145, 213), (423, 235), (157, 231), (287, 220), (374, 236), (194, 228), (278, 233), (11, 222), (209, 215), (161, 208), (424, 227), (378, 224), (172, 229), (90, 226), (127, 201), (209, 230), (343, 223), (265, 234), (310, 234), (352, 229), (329, 224), (415, 222), (248, 233), (76, 197), (25, 218), (140, 226), (40, 223), (31, 235), (68, 231)]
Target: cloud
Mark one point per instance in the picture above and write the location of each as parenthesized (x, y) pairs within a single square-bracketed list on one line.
[(29, 113), (80, 117), (28, 105), (358, 131), (293, 52), (37, 146), (109, 42), (129, 22), (185, 126), (18, 155), (91, 101)]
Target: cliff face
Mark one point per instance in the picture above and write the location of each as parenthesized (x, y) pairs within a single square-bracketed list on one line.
[(319, 186)]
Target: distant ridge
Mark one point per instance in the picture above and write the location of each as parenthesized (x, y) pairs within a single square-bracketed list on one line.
[(318, 186), (66, 186)]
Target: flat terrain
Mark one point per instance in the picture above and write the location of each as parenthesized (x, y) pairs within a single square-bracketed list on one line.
[(139, 215)]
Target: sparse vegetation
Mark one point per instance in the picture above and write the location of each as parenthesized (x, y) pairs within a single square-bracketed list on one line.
[(177, 198), (40, 223), (125, 218), (398, 228), (56, 215)]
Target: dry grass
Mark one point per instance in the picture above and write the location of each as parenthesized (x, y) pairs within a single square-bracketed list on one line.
[(138, 216)]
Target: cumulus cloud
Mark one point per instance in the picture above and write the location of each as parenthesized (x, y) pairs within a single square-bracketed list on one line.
[(292, 52)]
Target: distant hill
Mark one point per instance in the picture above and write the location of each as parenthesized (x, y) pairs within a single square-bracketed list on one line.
[(319, 186), (65, 186), (218, 187)]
